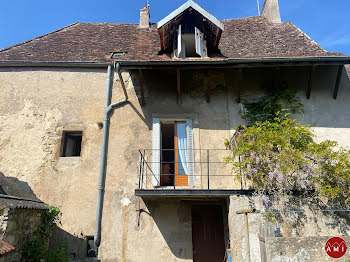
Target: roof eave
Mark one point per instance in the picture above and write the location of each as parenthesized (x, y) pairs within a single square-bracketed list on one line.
[(231, 61), (54, 64)]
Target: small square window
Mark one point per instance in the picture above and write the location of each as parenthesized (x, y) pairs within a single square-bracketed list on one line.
[(71, 143), (117, 55)]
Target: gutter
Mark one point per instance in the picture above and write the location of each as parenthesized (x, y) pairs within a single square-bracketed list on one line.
[(187, 62), (109, 109), (54, 64), (237, 61)]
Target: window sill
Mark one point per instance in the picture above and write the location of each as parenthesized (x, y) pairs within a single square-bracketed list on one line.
[(69, 161)]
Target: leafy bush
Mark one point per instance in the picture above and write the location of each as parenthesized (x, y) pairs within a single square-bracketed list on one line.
[(281, 156), (38, 249)]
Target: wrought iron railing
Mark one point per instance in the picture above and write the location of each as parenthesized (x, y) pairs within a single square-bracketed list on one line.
[(210, 170)]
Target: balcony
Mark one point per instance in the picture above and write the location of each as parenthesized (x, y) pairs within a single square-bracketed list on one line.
[(175, 176)]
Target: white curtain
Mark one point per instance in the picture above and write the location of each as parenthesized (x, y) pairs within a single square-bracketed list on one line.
[(182, 145)]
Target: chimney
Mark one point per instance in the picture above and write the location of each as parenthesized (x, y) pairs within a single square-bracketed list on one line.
[(144, 17), (271, 11)]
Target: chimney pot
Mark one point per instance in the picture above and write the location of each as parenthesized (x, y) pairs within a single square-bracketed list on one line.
[(144, 17), (271, 11)]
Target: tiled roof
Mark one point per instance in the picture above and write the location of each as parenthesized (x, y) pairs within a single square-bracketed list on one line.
[(17, 194), (5, 248), (251, 37), (21, 203)]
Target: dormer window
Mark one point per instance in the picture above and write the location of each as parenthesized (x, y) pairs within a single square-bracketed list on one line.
[(190, 42), (190, 32)]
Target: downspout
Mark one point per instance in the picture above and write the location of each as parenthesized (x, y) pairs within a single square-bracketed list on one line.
[(109, 109)]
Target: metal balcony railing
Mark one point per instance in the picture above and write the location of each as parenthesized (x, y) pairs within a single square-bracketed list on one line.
[(209, 170)]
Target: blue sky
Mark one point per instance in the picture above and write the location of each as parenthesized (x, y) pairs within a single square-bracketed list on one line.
[(326, 21)]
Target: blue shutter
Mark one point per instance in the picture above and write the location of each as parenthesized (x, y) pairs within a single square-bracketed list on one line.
[(190, 154), (156, 152)]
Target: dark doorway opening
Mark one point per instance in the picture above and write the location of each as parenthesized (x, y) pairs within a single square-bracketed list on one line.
[(208, 237), (168, 155)]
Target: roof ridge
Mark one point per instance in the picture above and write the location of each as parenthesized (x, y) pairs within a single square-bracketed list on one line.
[(38, 37), (101, 23), (308, 37), (253, 16)]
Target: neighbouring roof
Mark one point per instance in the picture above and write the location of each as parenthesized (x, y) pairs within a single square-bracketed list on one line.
[(17, 194), (251, 37), (5, 248)]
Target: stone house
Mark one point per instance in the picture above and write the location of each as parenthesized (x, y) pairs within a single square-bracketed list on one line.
[(181, 84)]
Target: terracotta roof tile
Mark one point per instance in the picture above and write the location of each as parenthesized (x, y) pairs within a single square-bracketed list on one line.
[(5, 248), (94, 42)]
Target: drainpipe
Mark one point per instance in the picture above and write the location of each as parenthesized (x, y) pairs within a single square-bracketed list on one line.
[(109, 109)]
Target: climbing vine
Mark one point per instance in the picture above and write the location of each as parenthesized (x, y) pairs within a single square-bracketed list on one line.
[(278, 155), (278, 102), (38, 249)]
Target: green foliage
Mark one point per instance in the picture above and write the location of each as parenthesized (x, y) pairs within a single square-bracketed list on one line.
[(281, 157), (270, 217), (38, 249), (278, 102), (278, 155)]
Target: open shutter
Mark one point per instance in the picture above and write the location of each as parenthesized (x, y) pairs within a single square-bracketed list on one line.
[(199, 41), (156, 152), (179, 42), (190, 155)]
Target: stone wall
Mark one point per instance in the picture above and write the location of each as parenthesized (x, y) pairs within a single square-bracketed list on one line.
[(4, 212), (300, 249), (17, 226), (299, 227)]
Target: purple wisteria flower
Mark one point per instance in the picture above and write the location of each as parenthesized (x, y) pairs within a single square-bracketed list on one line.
[(308, 168), (268, 160), (272, 175), (252, 155), (266, 202), (257, 160), (280, 178)]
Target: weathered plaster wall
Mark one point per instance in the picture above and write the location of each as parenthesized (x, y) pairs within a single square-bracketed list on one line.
[(39, 104)]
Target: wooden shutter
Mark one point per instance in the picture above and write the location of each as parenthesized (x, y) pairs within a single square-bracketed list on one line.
[(156, 152), (181, 51), (190, 154), (199, 41), (179, 42)]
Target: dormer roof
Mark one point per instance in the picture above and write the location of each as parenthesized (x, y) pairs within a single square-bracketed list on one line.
[(190, 15), (195, 6)]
